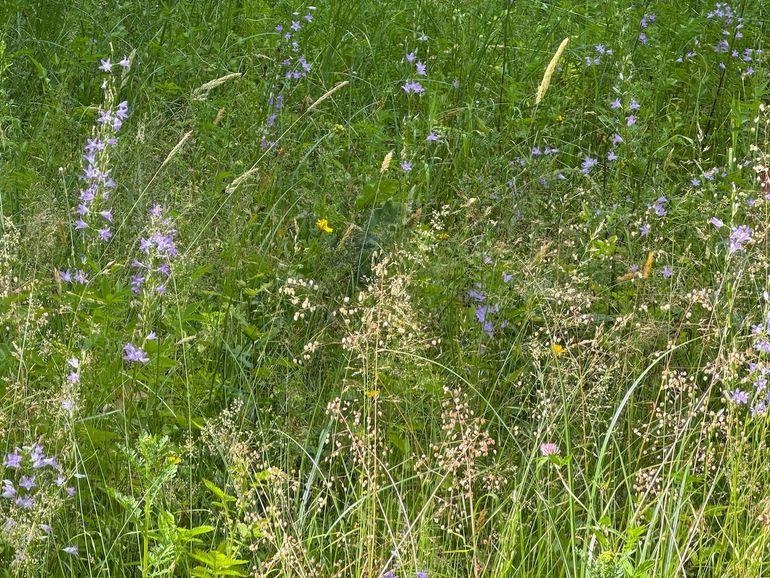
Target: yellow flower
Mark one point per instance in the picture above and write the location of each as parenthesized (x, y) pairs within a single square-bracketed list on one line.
[(323, 225), (557, 349), (560, 117)]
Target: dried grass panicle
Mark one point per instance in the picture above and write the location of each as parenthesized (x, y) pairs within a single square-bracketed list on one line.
[(328, 94), (550, 69), (202, 91)]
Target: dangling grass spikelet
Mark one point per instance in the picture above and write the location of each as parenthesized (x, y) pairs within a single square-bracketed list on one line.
[(202, 91), (549, 71), (328, 93)]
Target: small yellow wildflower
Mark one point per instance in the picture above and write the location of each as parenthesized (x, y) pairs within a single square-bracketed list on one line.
[(323, 225), (557, 349)]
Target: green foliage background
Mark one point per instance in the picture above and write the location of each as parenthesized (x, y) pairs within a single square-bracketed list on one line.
[(379, 426)]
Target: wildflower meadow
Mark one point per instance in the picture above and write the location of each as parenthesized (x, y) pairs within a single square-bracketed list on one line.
[(406, 289)]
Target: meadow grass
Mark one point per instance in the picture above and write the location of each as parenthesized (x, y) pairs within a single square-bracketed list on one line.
[(405, 289)]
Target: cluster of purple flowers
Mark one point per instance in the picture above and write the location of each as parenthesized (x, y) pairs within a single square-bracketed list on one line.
[(392, 574), (152, 270), (30, 477), (600, 50), (724, 14), (536, 154), (413, 87), (295, 69), (275, 105), (134, 354), (689, 56), (708, 176), (631, 119), (761, 331), (659, 206), (757, 373), (421, 69), (739, 236), (294, 66), (588, 164), (78, 276), (32, 460), (731, 31), (647, 19), (547, 150), (93, 211), (485, 312), (158, 249), (633, 106), (73, 379)]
